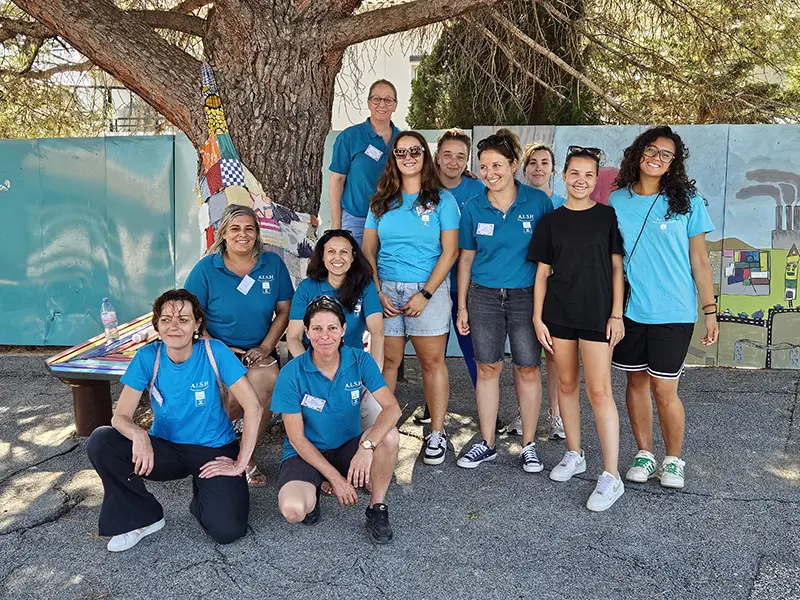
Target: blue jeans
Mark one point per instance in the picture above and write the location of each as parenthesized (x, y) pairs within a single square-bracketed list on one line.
[(464, 342)]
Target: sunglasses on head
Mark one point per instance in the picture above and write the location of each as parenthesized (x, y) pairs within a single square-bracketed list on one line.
[(413, 152), (322, 300), (494, 141), (344, 232), (665, 155), (596, 152)]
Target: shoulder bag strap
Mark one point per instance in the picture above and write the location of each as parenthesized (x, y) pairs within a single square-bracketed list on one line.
[(213, 362), (155, 366)]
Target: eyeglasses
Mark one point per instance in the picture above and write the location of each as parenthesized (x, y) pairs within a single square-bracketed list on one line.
[(665, 155), (377, 101), (413, 152), (596, 152)]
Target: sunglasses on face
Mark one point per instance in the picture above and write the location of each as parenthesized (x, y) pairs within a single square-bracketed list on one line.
[(413, 152), (665, 155)]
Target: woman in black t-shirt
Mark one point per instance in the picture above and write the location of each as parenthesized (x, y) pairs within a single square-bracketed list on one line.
[(578, 298)]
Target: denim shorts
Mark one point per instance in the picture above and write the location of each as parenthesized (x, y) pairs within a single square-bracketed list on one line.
[(355, 225), (434, 320), (495, 313)]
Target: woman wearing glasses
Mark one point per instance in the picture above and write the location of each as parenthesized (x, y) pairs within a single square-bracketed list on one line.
[(359, 155), (245, 292), (411, 241), (538, 163), (338, 269), (664, 222), (319, 393), (495, 293), (578, 302), (452, 154)]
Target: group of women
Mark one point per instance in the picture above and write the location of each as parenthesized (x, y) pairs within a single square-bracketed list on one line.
[(424, 242)]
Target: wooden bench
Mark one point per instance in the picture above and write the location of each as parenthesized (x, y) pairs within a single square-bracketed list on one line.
[(90, 367)]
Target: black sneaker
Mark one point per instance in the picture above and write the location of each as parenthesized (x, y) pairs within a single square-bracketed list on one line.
[(425, 418), (312, 518), (378, 527)]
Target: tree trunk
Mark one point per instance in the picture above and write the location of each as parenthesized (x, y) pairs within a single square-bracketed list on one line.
[(277, 85)]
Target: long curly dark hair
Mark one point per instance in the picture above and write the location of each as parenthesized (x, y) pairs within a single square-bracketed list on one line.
[(675, 184), (357, 277), (389, 195)]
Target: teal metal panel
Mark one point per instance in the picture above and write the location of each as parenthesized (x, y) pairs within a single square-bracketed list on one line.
[(74, 259), (22, 304), (188, 240), (139, 222)]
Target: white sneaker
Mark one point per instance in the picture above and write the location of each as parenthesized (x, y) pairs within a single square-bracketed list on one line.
[(671, 472), (123, 541), (644, 467), (607, 491), (515, 427), (555, 426), (572, 464), (435, 448)]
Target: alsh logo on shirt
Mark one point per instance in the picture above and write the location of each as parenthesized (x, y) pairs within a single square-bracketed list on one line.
[(527, 222), (354, 387), (265, 283), (199, 390)]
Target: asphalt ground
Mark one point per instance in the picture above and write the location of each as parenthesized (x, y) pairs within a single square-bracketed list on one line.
[(491, 532)]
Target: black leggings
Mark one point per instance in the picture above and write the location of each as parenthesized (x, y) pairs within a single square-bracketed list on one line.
[(220, 504)]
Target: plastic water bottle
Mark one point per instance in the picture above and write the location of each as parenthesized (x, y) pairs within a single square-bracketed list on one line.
[(109, 318)]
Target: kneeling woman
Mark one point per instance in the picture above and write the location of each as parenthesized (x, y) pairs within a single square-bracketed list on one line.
[(191, 434), (578, 300), (319, 394)]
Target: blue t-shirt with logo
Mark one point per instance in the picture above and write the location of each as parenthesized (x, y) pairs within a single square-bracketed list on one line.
[(240, 317), (360, 153), (500, 240), (409, 236), (660, 270), (356, 320), (192, 411), (463, 193), (331, 409)]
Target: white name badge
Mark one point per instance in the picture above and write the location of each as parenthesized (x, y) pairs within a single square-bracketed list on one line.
[(485, 229), (313, 402), (245, 284), (373, 153)]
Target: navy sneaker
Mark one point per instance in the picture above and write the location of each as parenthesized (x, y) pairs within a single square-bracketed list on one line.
[(478, 453), (378, 527), (530, 460)]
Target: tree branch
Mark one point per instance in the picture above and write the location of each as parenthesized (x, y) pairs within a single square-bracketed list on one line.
[(47, 73), (394, 19), (174, 21), (126, 47), (10, 28), (188, 6), (548, 54)]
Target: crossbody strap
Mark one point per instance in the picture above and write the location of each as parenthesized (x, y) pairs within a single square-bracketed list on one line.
[(155, 366), (644, 224), (213, 362)]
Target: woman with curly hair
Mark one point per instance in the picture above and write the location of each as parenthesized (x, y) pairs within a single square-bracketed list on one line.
[(664, 222), (411, 242)]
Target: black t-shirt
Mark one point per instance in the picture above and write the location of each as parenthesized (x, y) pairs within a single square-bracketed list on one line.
[(578, 244)]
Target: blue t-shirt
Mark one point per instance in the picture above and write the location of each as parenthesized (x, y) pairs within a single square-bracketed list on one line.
[(331, 409), (410, 242), (368, 304), (238, 318), (463, 192), (501, 241), (192, 411), (360, 154), (660, 272), (558, 200)]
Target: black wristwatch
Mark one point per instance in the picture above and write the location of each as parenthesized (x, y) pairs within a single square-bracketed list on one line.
[(426, 294)]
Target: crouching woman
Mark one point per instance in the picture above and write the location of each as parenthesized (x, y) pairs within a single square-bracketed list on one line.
[(191, 434), (320, 394)]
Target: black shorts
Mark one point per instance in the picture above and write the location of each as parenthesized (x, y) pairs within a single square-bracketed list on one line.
[(563, 332), (296, 469), (658, 349)]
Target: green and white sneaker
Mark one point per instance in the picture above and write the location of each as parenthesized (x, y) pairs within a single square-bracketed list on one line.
[(671, 472), (644, 467)]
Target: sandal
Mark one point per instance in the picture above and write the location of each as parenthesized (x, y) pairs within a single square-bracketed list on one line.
[(255, 478), (326, 488)]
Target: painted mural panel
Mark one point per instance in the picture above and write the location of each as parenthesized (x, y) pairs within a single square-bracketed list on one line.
[(760, 247)]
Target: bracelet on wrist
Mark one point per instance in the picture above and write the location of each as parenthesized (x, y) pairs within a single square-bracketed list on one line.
[(705, 306), (708, 314), (615, 317), (461, 309)]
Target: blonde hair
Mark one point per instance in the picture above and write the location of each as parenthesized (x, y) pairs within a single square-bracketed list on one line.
[(229, 214), (535, 147)]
